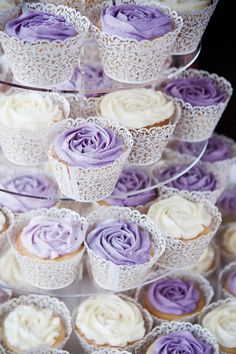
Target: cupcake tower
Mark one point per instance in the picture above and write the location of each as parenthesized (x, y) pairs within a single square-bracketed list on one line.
[(145, 266)]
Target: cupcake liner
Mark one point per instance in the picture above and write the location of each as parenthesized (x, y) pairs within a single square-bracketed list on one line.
[(149, 143), (10, 221), (90, 347), (194, 25), (183, 254), (115, 277), (226, 257), (224, 273), (41, 350), (58, 307), (44, 63), (202, 283), (47, 274), (169, 327), (131, 61), (78, 5), (90, 184), (25, 146), (81, 106), (198, 123), (111, 351), (7, 15)]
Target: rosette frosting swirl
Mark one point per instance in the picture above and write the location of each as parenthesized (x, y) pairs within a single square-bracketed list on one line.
[(186, 5), (33, 184), (181, 342), (39, 25), (221, 322), (196, 91), (174, 296), (231, 282), (108, 319), (135, 22), (227, 202), (51, 237), (229, 238), (217, 149), (196, 179), (132, 179), (120, 242), (90, 145)]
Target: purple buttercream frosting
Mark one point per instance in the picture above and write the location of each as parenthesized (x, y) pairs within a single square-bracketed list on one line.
[(227, 202), (51, 237), (120, 242), (33, 184), (135, 22), (196, 179), (174, 296), (196, 91), (89, 146), (231, 282), (217, 149), (181, 342), (132, 179), (38, 25)]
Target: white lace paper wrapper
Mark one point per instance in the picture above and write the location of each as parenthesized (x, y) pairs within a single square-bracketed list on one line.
[(48, 274), (80, 107), (224, 274), (58, 308), (202, 284), (41, 350), (78, 5), (198, 123), (7, 15), (111, 351), (25, 146), (115, 277), (10, 224), (44, 63), (183, 254), (90, 184), (169, 327), (88, 347), (131, 61), (194, 25)]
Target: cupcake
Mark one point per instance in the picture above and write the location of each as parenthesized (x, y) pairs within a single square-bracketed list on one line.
[(122, 247), (203, 98), (121, 323), (6, 224), (227, 204), (7, 4), (30, 183), (87, 157), (24, 120), (147, 114), (56, 34), (220, 319), (49, 245), (208, 261), (125, 194), (10, 273), (188, 224), (30, 322), (179, 296), (8, 10), (178, 337), (227, 239), (134, 40), (228, 280), (195, 14)]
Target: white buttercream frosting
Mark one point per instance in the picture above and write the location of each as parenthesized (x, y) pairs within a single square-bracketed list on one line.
[(221, 322), (179, 217), (229, 238), (28, 111), (206, 261), (109, 319), (186, 5), (28, 327), (2, 220), (10, 271), (6, 4), (136, 108)]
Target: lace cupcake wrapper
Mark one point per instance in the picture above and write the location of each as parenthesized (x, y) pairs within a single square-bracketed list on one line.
[(7, 15)]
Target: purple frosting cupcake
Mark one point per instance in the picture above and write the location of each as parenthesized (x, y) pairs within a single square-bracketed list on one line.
[(120, 242), (38, 25), (88, 146), (230, 283), (227, 202), (33, 184), (196, 91), (197, 179), (132, 179), (180, 342), (217, 149), (135, 22), (170, 298)]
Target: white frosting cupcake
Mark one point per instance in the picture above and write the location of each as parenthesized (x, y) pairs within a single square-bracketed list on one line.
[(180, 218), (228, 238), (28, 111), (221, 322), (3, 221), (109, 320), (206, 261), (6, 4), (9, 270), (137, 108), (186, 5)]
